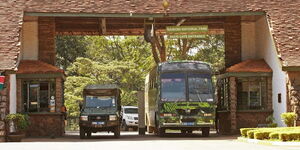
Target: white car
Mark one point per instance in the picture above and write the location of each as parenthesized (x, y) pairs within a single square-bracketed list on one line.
[(129, 117)]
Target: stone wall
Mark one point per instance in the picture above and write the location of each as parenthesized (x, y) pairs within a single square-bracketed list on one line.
[(47, 124), (251, 119), (293, 82)]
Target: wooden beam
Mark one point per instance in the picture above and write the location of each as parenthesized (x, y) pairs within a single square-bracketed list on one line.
[(103, 26)]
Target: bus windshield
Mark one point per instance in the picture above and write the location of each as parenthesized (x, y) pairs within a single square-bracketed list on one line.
[(173, 87), (200, 88), (100, 101)]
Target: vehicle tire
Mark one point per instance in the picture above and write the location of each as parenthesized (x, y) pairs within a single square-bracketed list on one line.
[(89, 134), (82, 133), (117, 132), (161, 132), (205, 131), (183, 131)]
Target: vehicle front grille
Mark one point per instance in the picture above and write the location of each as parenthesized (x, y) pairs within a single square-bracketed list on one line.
[(98, 118), (136, 118), (190, 112)]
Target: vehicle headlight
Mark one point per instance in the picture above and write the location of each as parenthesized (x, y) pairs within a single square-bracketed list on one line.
[(130, 117), (112, 117), (84, 118)]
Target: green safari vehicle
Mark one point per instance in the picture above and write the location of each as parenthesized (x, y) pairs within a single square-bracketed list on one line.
[(100, 110)]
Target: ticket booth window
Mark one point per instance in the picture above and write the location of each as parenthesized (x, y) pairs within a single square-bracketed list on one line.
[(36, 95)]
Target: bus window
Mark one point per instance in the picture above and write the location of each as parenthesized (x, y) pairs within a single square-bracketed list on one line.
[(173, 87), (200, 88)]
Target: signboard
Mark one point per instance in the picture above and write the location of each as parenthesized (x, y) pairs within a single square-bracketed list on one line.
[(2, 79), (185, 29), (191, 36), (186, 32)]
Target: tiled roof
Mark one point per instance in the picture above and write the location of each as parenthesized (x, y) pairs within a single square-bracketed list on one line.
[(250, 66), (37, 67), (283, 16)]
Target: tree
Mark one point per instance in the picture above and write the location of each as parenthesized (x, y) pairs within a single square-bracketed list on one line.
[(69, 48)]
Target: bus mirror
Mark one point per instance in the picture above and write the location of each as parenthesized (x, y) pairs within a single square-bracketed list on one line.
[(80, 104)]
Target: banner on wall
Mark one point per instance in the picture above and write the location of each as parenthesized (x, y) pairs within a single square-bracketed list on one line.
[(2, 79)]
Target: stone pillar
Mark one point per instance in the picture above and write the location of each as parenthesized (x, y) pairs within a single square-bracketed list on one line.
[(233, 42), (233, 103), (58, 94), (46, 35), (4, 108), (269, 105), (141, 108)]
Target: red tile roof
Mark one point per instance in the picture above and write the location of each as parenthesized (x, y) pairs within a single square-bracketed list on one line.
[(283, 17), (37, 67), (250, 66)]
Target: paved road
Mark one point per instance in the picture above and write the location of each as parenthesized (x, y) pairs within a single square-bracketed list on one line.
[(131, 141)]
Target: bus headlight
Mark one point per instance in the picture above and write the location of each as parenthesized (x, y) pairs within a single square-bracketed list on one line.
[(84, 118), (112, 117), (208, 114)]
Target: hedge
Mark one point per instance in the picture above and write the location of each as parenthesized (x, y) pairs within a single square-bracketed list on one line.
[(280, 133)]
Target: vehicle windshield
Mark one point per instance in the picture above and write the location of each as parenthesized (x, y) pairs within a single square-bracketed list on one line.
[(100, 101), (200, 88), (173, 87), (131, 110)]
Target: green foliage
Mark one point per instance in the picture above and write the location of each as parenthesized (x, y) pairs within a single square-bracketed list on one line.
[(124, 61), (209, 49), (279, 133), (289, 118), (20, 121)]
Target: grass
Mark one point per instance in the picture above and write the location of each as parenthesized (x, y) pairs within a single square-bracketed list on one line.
[(274, 134)]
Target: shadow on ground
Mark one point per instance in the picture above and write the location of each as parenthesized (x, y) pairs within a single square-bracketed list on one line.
[(128, 136)]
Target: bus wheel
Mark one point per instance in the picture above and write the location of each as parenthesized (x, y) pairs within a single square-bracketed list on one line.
[(150, 129), (205, 131), (82, 133), (183, 131), (117, 132), (89, 134)]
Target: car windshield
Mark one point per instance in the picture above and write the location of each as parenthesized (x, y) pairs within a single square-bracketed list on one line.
[(200, 87), (173, 87), (100, 101), (131, 110)]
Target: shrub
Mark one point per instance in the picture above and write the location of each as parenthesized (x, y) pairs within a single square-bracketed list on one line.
[(250, 134), (274, 135), (272, 125), (20, 121), (289, 118), (245, 130), (261, 135), (279, 133)]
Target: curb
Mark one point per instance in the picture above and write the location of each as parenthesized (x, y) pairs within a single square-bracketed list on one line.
[(263, 142)]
